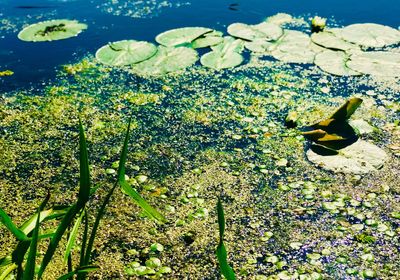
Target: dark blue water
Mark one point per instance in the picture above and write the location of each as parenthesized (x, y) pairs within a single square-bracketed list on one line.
[(37, 62)]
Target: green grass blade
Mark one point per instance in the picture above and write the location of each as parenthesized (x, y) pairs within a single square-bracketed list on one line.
[(29, 225), (84, 178), (72, 236), (6, 220), (84, 241), (83, 269), (128, 189), (5, 261), (29, 273), (18, 256), (65, 223), (7, 271), (222, 255)]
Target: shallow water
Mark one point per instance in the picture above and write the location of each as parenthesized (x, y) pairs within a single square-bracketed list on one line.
[(198, 134)]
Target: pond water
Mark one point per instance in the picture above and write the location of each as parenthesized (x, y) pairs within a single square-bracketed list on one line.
[(310, 191)]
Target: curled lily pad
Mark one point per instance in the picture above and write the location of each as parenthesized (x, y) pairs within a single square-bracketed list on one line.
[(181, 36), (279, 19), (294, 47), (334, 62), (224, 55), (125, 52), (359, 158), (370, 35), (166, 60), (264, 30), (51, 30), (208, 40), (329, 40), (376, 63)]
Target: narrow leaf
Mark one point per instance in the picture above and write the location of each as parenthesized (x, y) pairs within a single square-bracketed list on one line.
[(29, 273), (7, 271), (84, 269), (347, 109), (6, 220), (84, 178), (29, 225), (72, 236)]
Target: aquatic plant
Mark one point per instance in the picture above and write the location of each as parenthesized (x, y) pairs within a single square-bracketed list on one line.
[(318, 24), (51, 30), (224, 55), (181, 36), (15, 261), (225, 268), (6, 73)]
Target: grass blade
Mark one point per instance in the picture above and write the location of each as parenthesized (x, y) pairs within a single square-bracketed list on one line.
[(29, 273), (84, 178), (6, 272), (80, 270), (128, 189), (6, 220), (29, 225), (72, 236), (222, 255)]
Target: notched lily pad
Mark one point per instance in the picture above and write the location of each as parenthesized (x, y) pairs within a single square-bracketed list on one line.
[(51, 30), (334, 62), (376, 63), (166, 60), (329, 40), (125, 52), (370, 35), (224, 55), (266, 31), (208, 40), (181, 36)]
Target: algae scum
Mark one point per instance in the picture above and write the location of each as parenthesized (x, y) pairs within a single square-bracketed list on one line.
[(307, 193)]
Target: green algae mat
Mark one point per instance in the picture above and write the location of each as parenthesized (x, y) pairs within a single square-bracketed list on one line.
[(296, 134)]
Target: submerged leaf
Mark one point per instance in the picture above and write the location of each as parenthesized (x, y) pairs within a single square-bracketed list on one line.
[(334, 62), (370, 35), (181, 36), (125, 52), (166, 60), (378, 63), (265, 31), (51, 30)]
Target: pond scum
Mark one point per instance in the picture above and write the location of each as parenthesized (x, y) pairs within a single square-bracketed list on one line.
[(197, 135)]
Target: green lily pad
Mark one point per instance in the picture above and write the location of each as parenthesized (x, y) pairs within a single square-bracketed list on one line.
[(51, 30), (376, 63), (294, 47), (334, 62), (279, 19), (125, 52), (359, 158), (166, 60), (224, 55), (181, 36), (208, 40), (370, 35), (258, 46), (264, 30), (329, 40)]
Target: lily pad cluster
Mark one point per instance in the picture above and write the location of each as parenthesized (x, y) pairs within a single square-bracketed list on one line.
[(51, 30)]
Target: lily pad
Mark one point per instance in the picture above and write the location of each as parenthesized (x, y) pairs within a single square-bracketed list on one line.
[(166, 60), (359, 158), (264, 30), (294, 47), (258, 46), (334, 62), (125, 52), (329, 40), (376, 63), (208, 40), (51, 30), (225, 55), (279, 19), (181, 36), (371, 35)]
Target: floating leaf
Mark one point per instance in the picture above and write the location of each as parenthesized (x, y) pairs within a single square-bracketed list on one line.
[(329, 40), (293, 47), (258, 46), (166, 60), (279, 19), (359, 158), (225, 55), (6, 73), (125, 52), (181, 36), (376, 63), (264, 30), (370, 35), (51, 30), (334, 62), (208, 40)]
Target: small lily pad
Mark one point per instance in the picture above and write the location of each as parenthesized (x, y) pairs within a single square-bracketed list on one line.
[(370, 35), (294, 47), (334, 62), (329, 40), (125, 52), (377, 63), (359, 158), (279, 19), (266, 31), (181, 36), (166, 60), (225, 55), (51, 30), (258, 46), (208, 40)]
